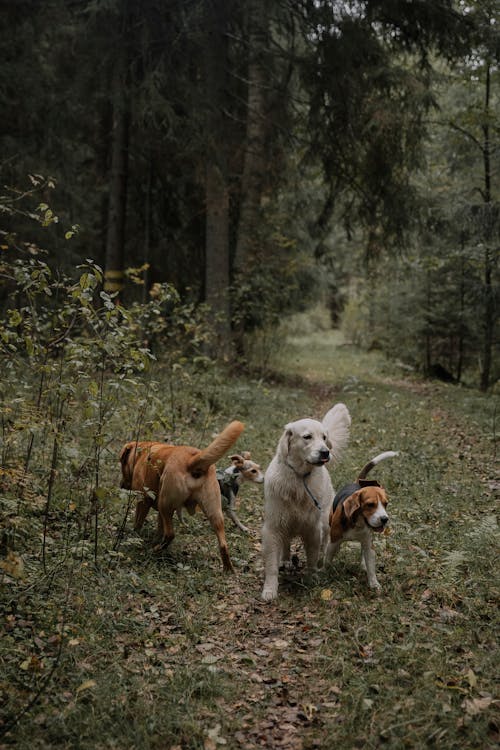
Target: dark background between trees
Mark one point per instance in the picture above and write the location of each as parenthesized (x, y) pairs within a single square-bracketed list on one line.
[(261, 156)]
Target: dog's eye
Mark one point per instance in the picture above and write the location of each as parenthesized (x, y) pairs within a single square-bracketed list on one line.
[(254, 471), (307, 437)]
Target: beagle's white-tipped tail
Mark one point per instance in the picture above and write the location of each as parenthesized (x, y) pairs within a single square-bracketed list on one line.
[(337, 423), (381, 457)]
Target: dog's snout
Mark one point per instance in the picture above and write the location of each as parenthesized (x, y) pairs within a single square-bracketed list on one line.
[(324, 454), (384, 520)]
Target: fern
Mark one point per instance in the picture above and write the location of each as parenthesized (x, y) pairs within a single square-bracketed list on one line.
[(453, 562)]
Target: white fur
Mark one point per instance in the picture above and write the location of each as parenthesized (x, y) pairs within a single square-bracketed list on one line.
[(303, 450), (383, 456), (360, 533)]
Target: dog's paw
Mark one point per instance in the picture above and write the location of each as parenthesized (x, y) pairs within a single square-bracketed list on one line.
[(269, 593)]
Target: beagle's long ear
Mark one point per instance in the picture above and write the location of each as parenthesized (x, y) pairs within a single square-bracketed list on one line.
[(246, 455), (237, 460), (352, 504)]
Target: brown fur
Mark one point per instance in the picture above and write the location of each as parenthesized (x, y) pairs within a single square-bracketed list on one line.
[(175, 477), (358, 507)]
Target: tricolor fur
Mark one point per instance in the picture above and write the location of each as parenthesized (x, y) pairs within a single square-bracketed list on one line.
[(360, 509), (242, 469)]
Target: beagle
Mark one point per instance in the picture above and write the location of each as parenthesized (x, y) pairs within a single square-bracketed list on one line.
[(358, 510)]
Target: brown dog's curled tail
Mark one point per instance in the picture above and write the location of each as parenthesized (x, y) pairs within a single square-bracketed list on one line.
[(217, 448)]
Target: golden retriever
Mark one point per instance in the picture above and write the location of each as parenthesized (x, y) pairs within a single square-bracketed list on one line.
[(298, 492)]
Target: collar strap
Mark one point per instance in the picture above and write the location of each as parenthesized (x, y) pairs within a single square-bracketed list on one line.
[(304, 477)]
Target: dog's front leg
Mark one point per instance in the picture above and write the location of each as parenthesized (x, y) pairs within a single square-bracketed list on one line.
[(272, 546), (369, 559), (141, 511), (165, 530), (331, 551), (231, 512)]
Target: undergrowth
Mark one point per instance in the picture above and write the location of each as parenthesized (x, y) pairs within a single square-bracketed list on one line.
[(108, 645)]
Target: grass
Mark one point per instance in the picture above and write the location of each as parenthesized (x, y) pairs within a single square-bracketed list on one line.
[(146, 651)]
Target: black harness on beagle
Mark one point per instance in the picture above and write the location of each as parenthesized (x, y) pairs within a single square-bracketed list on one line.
[(350, 489)]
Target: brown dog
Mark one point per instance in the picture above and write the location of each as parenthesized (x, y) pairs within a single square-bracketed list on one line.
[(175, 477), (358, 510)]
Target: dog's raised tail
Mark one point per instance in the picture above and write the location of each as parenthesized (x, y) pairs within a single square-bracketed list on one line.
[(381, 457), (217, 448), (338, 423)]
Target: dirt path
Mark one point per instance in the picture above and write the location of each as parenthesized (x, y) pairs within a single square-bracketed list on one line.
[(166, 653)]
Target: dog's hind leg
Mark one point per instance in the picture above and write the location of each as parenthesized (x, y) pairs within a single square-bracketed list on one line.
[(216, 520), (312, 545)]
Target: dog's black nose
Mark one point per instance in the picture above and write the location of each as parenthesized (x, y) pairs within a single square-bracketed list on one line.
[(384, 520), (324, 455)]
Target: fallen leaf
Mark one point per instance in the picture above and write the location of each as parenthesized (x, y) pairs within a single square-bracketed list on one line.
[(13, 565), (214, 738), (86, 686), (210, 659), (326, 595), (474, 706), (279, 643), (471, 678)]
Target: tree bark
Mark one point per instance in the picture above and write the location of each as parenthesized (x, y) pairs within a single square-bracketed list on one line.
[(115, 234), (489, 311), (256, 131), (217, 255)]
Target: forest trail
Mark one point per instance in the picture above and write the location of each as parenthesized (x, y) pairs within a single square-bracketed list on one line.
[(166, 652)]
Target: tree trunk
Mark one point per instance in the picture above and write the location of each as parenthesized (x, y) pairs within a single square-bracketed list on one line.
[(217, 248), (217, 273), (489, 311), (147, 232), (254, 166), (461, 326), (115, 236)]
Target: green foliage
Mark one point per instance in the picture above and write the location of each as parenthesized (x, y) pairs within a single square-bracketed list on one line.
[(149, 651)]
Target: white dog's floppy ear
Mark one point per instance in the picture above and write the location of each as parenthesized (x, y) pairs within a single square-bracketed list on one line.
[(337, 423), (284, 443)]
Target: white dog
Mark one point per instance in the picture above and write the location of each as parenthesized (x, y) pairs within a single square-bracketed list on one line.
[(298, 492)]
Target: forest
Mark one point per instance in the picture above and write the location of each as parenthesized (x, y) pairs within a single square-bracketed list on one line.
[(258, 157), (217, 210)]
